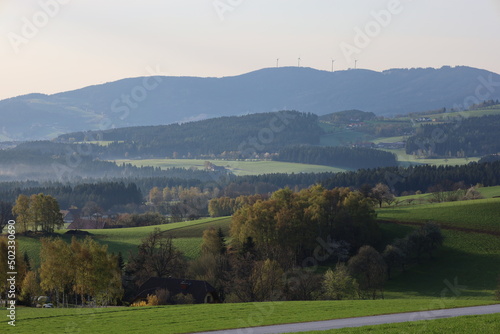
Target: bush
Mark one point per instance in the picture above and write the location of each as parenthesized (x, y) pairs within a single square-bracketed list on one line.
[(139, 303), (183, 298)]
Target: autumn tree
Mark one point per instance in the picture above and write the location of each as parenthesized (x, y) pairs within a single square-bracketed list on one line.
[(338, 283), (9, 247), (38, 212), (30, 287), (213, 241), (97, 272), (369, 269), (268, 280), (57, 268), (21, 210)]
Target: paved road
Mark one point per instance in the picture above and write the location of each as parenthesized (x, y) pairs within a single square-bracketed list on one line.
[(363, 321)]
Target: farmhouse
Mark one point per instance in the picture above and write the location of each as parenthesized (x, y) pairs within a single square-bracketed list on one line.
[(201, 291)]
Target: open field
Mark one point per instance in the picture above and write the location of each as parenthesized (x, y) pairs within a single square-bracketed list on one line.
[(489, 323), (193, 318), (247, 167), (408, 159), (481, 214)]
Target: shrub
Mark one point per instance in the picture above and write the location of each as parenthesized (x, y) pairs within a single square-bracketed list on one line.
[(183, 298)]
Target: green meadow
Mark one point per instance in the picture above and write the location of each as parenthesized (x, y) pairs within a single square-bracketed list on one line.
[(481, 214), (204, 317)]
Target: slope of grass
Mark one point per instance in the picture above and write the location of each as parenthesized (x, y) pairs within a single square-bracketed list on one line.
[(466, 267), (488, 323), (193, 318), (247, 167), (187, 237), (483, 214)]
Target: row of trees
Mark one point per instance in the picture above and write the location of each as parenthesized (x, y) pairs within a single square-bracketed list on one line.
[(337, 156), (105, 194), (80, 272), (82, 268)]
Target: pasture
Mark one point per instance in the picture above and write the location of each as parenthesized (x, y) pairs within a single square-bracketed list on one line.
[(195, 318)]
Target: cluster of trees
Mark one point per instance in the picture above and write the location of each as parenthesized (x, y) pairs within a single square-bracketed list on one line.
[(415, 178), (475, 136), (80, 272), (82, 268), (485, 104), (37, 213), (284, 228), (235, 136), (105, 194), (226, 206), (180, 202), (348, 116), (337, 156), (139, 219), (423, 241)]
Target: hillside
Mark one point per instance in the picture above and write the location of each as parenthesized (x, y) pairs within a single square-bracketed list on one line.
[(230, 137), (165, 100)]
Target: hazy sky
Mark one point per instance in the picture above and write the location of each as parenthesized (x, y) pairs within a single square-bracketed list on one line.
[(50, 46)]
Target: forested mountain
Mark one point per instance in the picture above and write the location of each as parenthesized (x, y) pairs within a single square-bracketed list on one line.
[(226, 137), (164, 100), (475, 136)]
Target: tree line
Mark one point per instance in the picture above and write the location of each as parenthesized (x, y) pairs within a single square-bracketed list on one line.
[(469, 137), (339, 156), (105, 194)]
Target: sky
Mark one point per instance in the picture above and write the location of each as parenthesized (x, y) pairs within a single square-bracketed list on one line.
[(50, 46)]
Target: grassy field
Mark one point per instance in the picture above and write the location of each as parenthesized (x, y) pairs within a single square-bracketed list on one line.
[(466, 267), (408, 159), (187, 237), (489, 323), (486, 192), (193, 318), (482, 214), (248, 167), (463, 255)]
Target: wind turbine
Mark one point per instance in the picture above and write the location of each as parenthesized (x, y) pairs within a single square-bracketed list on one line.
[(333, 60), (277, 62), (355, 63), (298, 61)]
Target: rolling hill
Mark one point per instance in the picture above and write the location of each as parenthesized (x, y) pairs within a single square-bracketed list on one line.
[(164, 100)]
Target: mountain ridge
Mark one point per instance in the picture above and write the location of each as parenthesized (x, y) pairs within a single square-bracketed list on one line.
[(164, 99)]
